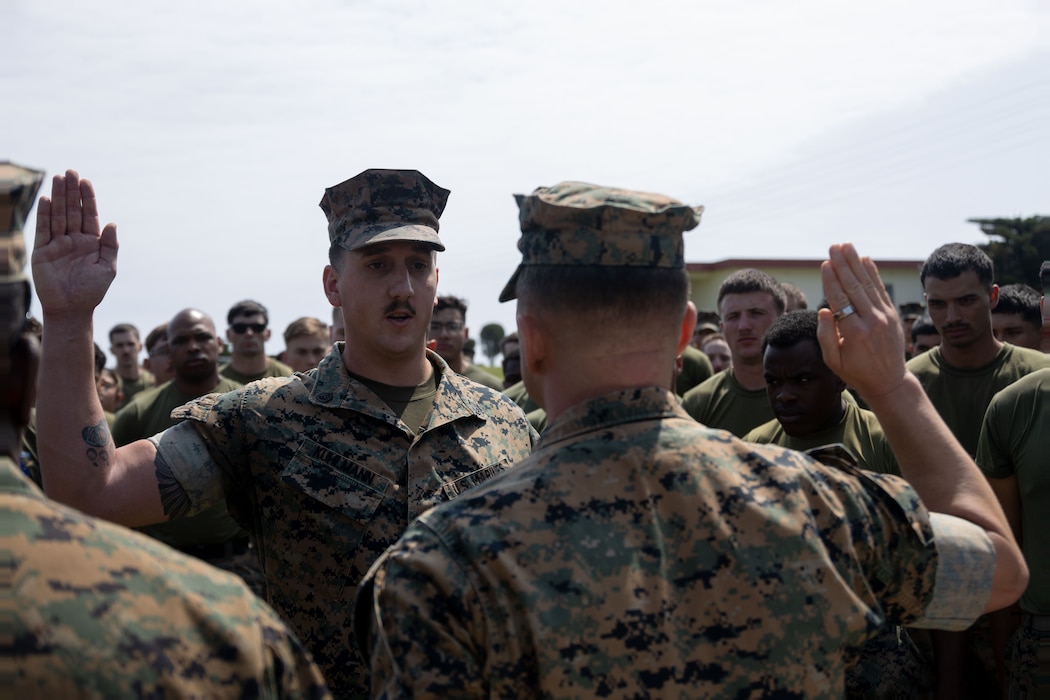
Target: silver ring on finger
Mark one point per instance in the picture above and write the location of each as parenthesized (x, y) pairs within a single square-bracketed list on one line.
[(844, 312)]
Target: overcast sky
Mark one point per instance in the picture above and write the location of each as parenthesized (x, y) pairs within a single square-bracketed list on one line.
[(211, 129)]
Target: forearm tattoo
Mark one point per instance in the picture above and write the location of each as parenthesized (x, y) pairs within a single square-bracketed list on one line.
[(98, 441), (173, 498)]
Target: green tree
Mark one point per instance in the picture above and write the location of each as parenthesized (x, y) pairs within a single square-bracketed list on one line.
[(1018, 247), (491, 337)]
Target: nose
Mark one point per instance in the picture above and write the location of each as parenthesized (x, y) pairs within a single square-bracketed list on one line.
[(785, 393), (401, 286)]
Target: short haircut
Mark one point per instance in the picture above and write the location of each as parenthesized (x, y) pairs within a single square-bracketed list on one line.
[(603, 294), (952, 259), (794, 296), (790, 329), (123, 328), (708, 317), (1020, 299), (100, 359), (303, 326), (923, 326), (155, 336), (752, 280), (451, 302), (248, 308)]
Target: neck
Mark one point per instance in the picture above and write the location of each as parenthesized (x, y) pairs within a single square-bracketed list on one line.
[(249, 364), (129, 372), (197, 387), (411, 370), (581, 378), (972, 356)]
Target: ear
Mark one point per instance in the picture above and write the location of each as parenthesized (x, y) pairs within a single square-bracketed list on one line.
[(266, 333), (685, 332), (330, 279), (993, 296), (533, 343)]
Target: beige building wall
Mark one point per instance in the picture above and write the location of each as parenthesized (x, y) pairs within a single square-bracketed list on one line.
[(901, 278)]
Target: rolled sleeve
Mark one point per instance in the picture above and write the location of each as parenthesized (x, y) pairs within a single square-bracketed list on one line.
[(192, 466), (965, 566)]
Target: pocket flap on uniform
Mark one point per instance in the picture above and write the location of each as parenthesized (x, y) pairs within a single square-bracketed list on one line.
[(336, 481)]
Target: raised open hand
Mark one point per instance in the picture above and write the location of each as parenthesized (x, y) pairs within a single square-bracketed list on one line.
[(860, 336), (74, 260)]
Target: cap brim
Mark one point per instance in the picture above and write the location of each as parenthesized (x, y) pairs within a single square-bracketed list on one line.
[(407, 232), (510, 290)]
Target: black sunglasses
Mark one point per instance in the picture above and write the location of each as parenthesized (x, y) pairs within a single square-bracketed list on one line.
[(243, 327)]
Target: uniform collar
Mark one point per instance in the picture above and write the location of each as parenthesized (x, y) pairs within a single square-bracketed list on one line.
[(334, 388), (614, 408)]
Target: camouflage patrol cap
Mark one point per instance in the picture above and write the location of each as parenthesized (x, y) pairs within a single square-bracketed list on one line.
[(384, 205), (577, 224), (18, 188)]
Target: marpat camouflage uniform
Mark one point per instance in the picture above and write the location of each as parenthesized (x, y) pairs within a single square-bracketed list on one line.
[(640, 554), (326, 477), (94, 610)]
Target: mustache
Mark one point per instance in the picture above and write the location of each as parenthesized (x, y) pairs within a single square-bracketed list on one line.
[(399, 305)]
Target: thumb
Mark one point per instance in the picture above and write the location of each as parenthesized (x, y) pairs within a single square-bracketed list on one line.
[(108, 245)]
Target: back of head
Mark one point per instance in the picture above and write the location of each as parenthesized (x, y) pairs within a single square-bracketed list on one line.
[(953, 259), (607, 258), (750, 280), (790, 329)]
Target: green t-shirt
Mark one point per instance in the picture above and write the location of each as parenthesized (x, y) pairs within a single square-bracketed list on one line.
[(696, 369), (1015, 441), (859, 431), (132, 388), (520, 395), (720, 402), (149, 414), (274, 368), (961, 396)]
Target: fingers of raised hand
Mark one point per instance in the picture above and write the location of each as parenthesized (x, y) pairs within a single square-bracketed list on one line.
[(857, 287), (90, 222), (58, 206), (74, 207), (43, 223)]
